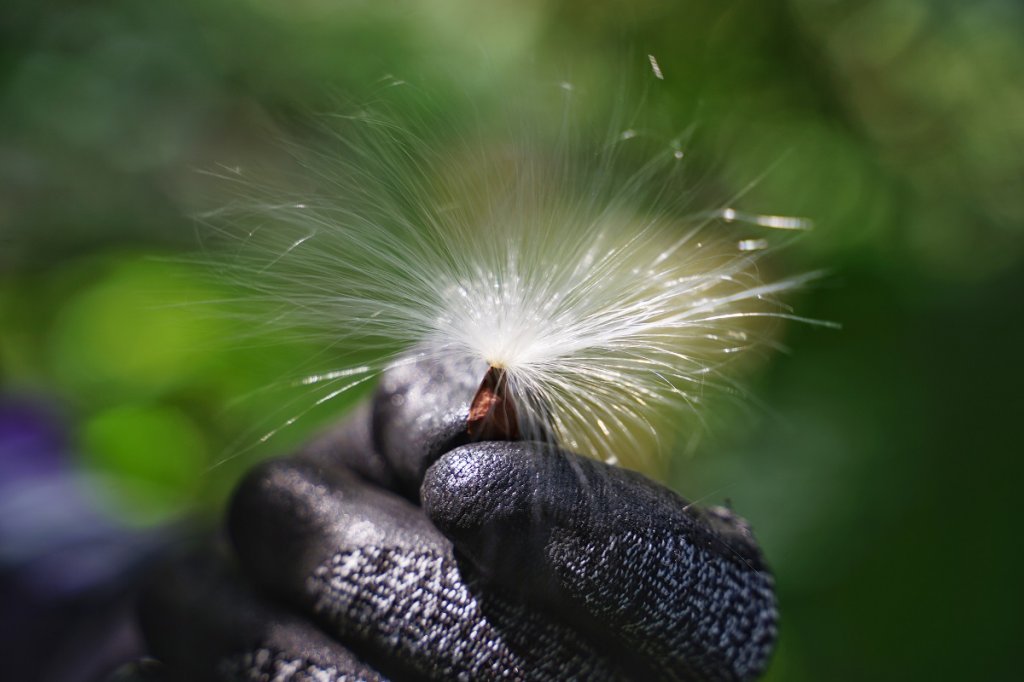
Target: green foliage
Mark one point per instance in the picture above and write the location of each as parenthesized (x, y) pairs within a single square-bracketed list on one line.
[(151, 457)]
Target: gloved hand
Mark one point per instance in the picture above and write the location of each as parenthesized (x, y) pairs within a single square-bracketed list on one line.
[(393, 548)]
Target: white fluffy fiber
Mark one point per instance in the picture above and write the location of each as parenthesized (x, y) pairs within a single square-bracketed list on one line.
[(606, 301)]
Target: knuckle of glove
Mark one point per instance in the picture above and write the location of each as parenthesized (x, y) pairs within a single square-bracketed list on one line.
[(275, 514)]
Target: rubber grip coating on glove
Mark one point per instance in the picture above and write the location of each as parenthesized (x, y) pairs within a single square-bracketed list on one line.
[(610, 549)]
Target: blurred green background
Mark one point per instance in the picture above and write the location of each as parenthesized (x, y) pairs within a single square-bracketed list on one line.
[(881, 475)]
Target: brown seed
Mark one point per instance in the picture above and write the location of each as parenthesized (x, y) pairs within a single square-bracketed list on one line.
[(492, 414)]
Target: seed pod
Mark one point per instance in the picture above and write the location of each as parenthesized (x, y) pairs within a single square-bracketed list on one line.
[(492, 414)]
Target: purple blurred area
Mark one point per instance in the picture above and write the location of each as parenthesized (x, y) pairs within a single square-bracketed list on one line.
[(68, 573)]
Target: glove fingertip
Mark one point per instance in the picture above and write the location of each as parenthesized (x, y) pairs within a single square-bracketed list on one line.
[(473, 487), (486, 499)]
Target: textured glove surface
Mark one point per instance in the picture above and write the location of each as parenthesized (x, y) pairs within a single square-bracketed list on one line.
[(394, 549)]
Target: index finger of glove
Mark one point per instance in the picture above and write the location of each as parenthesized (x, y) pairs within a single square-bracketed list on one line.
[(609, 549)]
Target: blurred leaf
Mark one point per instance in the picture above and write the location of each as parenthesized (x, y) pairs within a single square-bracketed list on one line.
[(152, 458), (139, 331)]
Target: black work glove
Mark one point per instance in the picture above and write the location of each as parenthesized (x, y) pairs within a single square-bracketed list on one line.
[(393, 548)]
